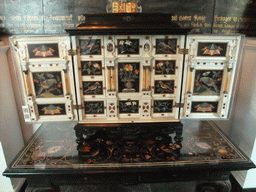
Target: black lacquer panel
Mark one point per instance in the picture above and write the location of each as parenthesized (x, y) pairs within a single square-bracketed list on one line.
[(204, 107), (48, 84), (53, 17), (212, 49), (165, 67), (128, 77), (94, 107), (208, 82), (51, 109), (39, 51), (131, 106), (91, 68)]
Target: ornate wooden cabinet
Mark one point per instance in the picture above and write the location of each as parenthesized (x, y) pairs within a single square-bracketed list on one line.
[(126, 68), (128, 80)]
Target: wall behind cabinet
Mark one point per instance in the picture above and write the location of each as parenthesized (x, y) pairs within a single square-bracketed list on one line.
[(53, 16), (241, 126)]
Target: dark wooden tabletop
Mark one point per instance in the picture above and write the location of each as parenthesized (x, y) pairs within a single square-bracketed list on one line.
[(53, 150)]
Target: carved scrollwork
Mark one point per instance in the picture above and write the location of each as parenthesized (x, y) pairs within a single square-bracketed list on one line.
[(192, 49), (63, 51), (22, 50)]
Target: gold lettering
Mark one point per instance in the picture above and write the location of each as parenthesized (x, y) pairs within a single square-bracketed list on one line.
[(175, 18), (197, 24), (81, 18), (229, 26), (50, 31), (185, 18), (69, 24), (217, 25), (207, 24), (199, 18), (16, 18), (243, 19), (215, 30), (9, 25), (235, 19), (31, 18), (223, 19), (61, 18), (52, 25)]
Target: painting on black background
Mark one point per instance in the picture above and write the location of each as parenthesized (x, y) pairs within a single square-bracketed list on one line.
[(43, 50), (208, 82), (90, 47), (131, 106), (128, 46), (48, 84), (94, 107), (204, 107), (166, 46), (162, 86), (92, 88), (91, 68), (51, 109), (163, 67), (128, 77), (212, 49), (163, 106)]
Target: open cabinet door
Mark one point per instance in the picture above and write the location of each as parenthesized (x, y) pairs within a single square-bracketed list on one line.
[(128, 78), (210, 73), (45, 72)]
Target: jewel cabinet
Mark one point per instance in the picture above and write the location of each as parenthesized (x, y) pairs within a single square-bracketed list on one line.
[(125, 76)]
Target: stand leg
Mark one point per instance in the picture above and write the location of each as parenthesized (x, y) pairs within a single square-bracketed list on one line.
[(178, 129), (41, 184), (214, 186)]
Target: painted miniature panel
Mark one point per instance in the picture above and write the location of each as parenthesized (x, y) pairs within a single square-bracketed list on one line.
[(208, 82), (131, 106), (90, 46), (51, 109), (165, 67), (204, 107), (39, 51), (91, 68), (128, 46), (164, 86), (147, 47), (94, 107), (110, 47), (163, 106), (212, 49), (48, 84), (92, 87), (166, 46), (128, 77)]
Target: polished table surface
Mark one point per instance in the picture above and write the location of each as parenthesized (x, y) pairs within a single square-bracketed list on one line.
[(51, 156)]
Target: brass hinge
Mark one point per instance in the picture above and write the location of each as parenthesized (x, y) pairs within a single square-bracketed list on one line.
[(78, 107), (179, 105), (183, 51), (72, 52)]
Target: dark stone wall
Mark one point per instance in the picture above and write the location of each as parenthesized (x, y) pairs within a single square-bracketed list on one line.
[(54, 16)]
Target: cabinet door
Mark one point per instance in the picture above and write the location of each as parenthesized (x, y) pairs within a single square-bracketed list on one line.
[(128, 78), (45, 71), (210, 73)]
